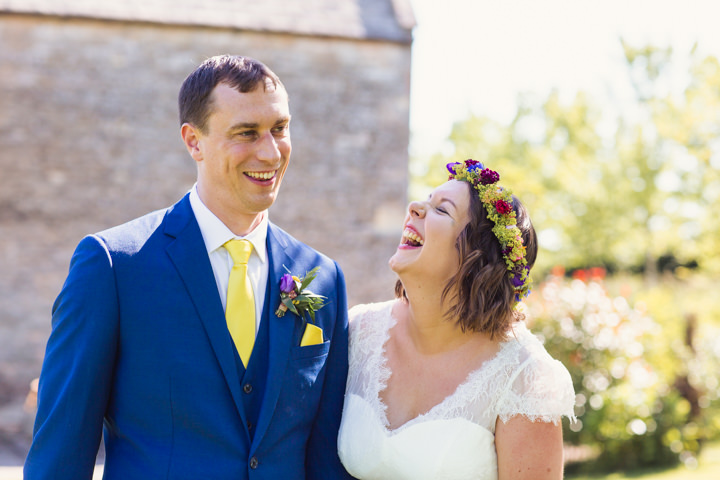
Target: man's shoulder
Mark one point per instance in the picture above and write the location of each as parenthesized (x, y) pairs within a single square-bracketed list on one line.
[(137, 231)]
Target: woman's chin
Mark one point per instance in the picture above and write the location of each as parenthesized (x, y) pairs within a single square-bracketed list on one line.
[(402, 259), (394, 263)]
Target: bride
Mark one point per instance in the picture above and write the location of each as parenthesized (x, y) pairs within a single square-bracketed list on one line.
[(445, 381)]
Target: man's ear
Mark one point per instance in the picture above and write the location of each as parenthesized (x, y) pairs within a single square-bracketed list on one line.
[(191, 138)]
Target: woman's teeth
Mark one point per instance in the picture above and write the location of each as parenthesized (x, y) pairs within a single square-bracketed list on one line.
[(412, 238)]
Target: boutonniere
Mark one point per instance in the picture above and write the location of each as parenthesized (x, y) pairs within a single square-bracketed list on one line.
[(295, 297)]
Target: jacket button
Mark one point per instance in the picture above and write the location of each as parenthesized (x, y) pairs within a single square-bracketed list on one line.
[(254, 463), (247, 388)]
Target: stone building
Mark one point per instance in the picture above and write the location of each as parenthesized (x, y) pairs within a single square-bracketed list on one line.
[(90, 137)]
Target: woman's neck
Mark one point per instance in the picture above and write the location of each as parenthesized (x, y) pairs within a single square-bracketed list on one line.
[(426, 322)]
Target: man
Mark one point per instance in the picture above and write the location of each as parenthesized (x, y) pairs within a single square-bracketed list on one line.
[(141, 347)]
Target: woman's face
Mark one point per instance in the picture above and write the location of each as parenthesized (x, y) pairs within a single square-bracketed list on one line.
[(430, 233)]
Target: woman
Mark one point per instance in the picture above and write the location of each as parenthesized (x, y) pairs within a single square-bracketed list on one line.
[(445, 381)]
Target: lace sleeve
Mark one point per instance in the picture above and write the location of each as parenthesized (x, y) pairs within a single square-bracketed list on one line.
[(540, 387)]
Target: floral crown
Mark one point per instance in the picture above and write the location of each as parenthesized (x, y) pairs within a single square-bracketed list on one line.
[(498, 203)]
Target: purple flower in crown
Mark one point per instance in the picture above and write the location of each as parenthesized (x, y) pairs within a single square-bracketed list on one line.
[(520, 296), (517, 280), (451, 167), (520, 273), (473, 165), (488, 176), (287, 283)]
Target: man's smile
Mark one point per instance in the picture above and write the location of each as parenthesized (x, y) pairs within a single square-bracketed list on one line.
[(261, 175)]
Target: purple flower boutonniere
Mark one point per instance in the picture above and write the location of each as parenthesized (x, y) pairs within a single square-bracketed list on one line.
[(295, 297)]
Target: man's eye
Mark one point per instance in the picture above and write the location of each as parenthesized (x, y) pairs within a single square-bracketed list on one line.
[(280, 129), (245, 134)]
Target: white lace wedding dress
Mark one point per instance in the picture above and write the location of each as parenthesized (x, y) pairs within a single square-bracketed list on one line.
[(455, 439)]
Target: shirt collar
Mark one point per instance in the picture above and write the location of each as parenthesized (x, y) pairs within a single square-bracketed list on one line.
[(215, 233)]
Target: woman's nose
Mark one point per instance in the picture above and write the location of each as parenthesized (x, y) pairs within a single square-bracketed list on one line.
[(416, 209)]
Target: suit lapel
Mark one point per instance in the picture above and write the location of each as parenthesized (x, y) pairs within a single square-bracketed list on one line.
[(280, 330), (188, 254)]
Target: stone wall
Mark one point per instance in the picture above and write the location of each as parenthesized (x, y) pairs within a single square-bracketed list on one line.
[(89, 138)]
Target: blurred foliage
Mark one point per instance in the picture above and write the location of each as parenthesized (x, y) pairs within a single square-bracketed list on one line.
[(634, 187), (646, 384), (708, 469)]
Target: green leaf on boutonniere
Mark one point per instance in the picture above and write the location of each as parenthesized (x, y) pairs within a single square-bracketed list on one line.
[(295, 298), (309, 277)]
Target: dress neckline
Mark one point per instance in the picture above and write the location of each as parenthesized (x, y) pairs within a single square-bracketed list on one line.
[(486, 366)]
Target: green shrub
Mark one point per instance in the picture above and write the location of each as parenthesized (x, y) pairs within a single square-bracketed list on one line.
[(636, 402)]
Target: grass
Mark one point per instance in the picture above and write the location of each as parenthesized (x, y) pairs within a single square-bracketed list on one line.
[(708, 469)]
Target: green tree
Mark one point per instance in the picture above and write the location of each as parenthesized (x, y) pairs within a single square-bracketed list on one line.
[(619, 188)]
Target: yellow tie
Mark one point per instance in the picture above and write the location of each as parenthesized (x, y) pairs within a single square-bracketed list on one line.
[(240, 309)]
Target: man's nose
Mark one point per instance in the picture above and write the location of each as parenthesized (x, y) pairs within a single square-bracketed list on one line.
[(268, 148)]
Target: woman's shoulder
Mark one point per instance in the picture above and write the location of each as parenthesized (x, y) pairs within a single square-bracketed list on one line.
[(369, 325), (536, 362), (540, 386), (359, 313)]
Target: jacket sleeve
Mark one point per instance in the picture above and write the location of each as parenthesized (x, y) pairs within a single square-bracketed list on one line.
[(322, 461), (76, 375)]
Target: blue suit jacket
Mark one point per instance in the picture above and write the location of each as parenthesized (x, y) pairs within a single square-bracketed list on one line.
[(139, 347)]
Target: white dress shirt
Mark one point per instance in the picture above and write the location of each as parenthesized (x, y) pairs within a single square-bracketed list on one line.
[(215, 233)]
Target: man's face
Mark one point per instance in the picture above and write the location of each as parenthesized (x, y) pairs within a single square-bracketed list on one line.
[(243, 155)]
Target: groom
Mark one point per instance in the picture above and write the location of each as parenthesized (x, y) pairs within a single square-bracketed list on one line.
[(141, 348)]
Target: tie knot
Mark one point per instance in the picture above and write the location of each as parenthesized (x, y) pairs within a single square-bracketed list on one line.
[(239, 250)]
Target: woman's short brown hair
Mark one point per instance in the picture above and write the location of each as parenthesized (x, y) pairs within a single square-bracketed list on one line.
[(481, 293)]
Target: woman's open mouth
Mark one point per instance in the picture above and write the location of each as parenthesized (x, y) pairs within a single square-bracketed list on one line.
[(411, 238)]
